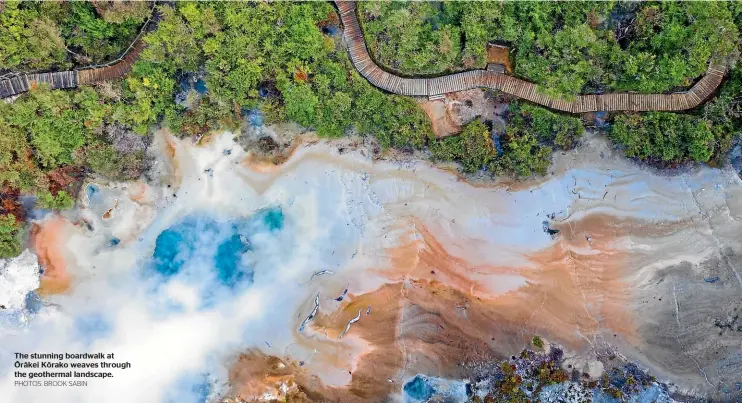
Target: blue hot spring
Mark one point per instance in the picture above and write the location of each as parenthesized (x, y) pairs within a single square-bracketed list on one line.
[(201, 246), (418, 389)]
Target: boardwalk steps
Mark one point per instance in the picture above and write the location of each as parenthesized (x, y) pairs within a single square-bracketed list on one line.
[(435, 88)]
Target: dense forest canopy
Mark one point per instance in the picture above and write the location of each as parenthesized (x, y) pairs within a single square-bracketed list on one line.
[(566, 47), (55, 35), (286, 61)]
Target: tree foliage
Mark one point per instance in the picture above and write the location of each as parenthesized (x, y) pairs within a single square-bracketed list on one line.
[(422, 31), (473, 148), (28, 40), (61, 201), (523, 155), (670, 137), (245, 46), (566, 47), (548, 127), (17, 166), (56, 122), (10, 243), (673, 42), (95, 37), (57, 35), (524, 149)]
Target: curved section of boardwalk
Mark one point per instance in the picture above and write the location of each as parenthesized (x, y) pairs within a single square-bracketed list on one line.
[(432, 87), (119, 69), (18, 83), (14, 84)]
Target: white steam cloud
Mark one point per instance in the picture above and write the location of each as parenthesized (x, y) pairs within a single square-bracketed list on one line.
[(341, 214)]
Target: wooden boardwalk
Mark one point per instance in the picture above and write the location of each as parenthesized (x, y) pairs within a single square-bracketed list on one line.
[(19, 83), (119, 69), (14, 84), (435, 87)]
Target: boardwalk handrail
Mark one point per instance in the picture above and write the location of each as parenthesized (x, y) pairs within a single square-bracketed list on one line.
[(437, 86), (131, 45), (12, 84)]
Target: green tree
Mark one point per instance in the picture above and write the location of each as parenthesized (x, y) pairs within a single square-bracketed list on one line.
[(62, 201), (667, 137), (118, 12), (174, 45), (10, 242), (701, 145), (28, 40), (96, 38), (17, 167), (57, 122), (395, 121), (418, 37), (523, 155), (525, 147), (549, 127), (537, 342), (473, 148), (335, 115), (301, 104), (103, 159), (674, 43), (148, 97)]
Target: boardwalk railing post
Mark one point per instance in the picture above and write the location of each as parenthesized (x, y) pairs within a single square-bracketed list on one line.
[(433, 87)]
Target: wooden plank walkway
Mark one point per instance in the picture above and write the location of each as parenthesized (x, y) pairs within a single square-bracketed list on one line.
[(115, 70), (14, 84), (435, 87)]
